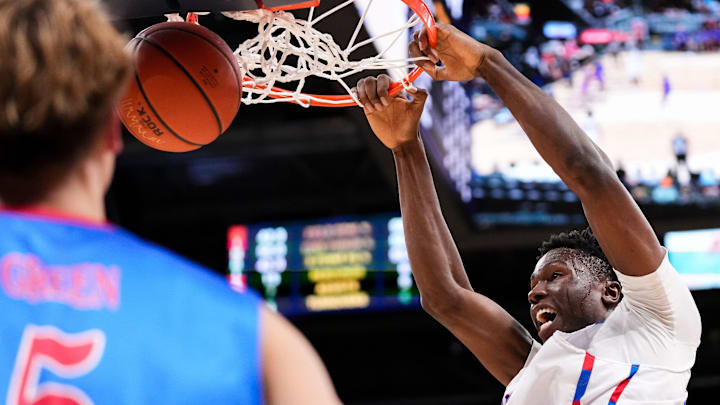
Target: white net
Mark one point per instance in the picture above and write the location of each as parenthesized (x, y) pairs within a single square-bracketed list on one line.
[(289, 50)]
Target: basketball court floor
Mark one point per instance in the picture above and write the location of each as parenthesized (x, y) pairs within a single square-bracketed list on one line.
[(633, 123)]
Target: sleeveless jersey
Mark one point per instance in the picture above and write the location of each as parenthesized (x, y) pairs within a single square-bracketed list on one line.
[(641, 354), (93, 314)]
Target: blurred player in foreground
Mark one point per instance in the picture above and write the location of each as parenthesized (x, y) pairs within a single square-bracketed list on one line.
[(91, 313), (616, 321)]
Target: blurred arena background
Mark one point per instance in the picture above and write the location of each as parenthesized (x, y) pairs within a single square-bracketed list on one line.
[(301, 204)]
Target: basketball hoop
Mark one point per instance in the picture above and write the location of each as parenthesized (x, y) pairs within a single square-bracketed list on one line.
[(281, 36)]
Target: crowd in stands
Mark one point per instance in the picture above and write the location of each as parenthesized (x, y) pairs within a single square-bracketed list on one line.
[(704, 40), (549, 60), (700, 188), (606, 8)]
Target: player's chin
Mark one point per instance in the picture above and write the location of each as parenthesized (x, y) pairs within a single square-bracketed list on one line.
[(547, 329)]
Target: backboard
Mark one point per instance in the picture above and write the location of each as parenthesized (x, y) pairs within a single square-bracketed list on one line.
[(125, 9)]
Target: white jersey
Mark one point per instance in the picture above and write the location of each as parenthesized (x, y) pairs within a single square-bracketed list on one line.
[(641, 354)]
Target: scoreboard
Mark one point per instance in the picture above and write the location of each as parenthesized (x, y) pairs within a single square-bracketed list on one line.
[(345, 263)]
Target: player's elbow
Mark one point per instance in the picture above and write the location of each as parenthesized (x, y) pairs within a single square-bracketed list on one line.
[(587, 174), (438, 306)]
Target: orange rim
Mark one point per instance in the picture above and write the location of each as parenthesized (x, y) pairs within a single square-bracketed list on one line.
[(321, 100)]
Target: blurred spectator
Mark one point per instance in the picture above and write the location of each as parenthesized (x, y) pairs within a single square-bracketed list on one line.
[(680, 148), (666, 192), (708, 178), (613, 49), (704, 40), (667, 88), (634, 63), (590, 126)]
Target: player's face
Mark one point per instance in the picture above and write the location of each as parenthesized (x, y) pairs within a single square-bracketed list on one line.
[(561, 298)]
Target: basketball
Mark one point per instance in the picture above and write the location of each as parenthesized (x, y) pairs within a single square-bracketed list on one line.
[(187, 87)]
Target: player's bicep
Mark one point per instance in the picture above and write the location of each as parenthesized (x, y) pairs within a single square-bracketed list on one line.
[(620, 227), (293, 373), (497, 339)]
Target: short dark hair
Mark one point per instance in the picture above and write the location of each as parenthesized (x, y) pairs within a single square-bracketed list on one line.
[(583, 240), (63, 65)]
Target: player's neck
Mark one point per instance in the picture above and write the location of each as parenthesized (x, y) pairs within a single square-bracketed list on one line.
[(82, 195)]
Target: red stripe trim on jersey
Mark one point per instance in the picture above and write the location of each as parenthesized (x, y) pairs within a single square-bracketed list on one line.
[(53, 215), (621, 387)]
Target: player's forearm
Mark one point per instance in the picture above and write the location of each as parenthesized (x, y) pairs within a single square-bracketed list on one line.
[(555, 135), (435, 261)]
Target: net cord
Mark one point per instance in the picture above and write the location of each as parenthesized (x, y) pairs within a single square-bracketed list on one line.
[(263, 60)]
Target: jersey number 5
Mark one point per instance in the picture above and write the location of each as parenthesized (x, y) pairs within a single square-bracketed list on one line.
[(65, 355)]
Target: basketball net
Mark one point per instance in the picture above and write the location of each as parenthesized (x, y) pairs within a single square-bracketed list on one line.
[(281, 37)]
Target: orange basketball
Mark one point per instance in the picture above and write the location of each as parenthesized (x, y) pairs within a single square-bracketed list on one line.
[(186, 90)]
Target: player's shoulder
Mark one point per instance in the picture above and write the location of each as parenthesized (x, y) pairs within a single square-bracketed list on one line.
[(141, 262), (160, 275), (662, 298)]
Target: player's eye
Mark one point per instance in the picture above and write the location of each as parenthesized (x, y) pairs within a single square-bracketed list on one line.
[(555, 275)]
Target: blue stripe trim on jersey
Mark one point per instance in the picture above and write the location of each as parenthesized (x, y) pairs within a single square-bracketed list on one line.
[(582, 384), (584, 378)]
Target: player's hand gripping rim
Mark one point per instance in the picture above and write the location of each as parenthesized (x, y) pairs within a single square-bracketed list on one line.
[(395, 120), (461, 56)]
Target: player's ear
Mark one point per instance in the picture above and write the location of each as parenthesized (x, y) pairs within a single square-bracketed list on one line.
[(612, 294), (113, 134)]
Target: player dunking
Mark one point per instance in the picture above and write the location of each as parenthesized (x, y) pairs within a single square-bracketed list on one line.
[(91, 313), (617, 323)]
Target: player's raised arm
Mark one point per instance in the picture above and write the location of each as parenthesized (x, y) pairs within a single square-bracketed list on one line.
[(496, 339), (621, 228)]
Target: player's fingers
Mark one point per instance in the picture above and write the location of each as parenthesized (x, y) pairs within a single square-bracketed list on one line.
[(383, 87), (439, 72), (417, 104), (362, 96), (370, 86), (434, 55), (419, 95), (419, 47), (415, 52), (422, 40), (403, 95), (414, 49), (416, 35), (424, 46)]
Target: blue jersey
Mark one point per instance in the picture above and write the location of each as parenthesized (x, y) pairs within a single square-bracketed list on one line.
[(93, 314)]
